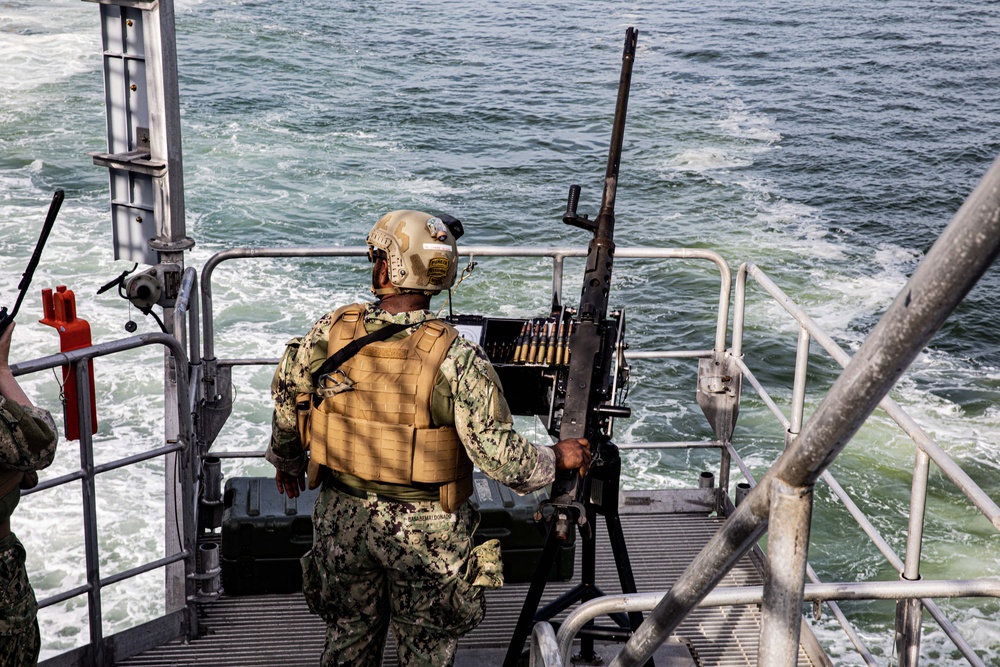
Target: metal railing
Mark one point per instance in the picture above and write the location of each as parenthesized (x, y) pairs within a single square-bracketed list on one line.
[(927, 450), (954, 264), (188, 392), (80, 360), (557, 255), (555, 648), (792, 425), (211, 364)]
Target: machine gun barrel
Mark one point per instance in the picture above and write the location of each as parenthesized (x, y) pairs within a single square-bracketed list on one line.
[(29, 272), (590, 345), (597, 278), (583, 405), (588, 362)]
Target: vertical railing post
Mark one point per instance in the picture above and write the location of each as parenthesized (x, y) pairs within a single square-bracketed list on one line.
[(725, 471), (799, 386), (739, 311), (787, 548), (92, 557), (190, 467), (909, 613), (557, 278), (181, 474)]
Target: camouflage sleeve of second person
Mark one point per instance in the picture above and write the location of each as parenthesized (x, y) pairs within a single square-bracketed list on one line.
[(293, 377), (27, 437)]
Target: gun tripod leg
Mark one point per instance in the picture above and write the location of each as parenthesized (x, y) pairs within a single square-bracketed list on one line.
[(528, 616), (622, 563)]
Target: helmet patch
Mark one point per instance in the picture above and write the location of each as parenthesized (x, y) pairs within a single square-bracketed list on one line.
[(437, 269), (419, 270)]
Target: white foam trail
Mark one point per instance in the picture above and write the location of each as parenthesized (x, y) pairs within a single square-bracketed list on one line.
[(708, 159), (742, 122), (34, 57)]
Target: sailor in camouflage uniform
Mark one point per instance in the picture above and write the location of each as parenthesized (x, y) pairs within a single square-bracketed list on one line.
[(390, 547), (27, 443)]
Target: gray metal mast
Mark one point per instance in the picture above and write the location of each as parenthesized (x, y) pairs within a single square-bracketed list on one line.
[(147, 197)]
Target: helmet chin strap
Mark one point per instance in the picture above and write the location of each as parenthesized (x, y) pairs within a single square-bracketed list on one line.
[(384, 291)]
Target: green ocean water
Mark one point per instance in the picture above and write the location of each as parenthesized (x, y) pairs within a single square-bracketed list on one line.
[(828, 143)]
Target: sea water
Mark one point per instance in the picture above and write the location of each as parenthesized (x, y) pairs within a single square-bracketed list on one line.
[(829, 143)]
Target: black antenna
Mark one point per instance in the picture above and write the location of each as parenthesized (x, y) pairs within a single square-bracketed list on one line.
[(29, 272)]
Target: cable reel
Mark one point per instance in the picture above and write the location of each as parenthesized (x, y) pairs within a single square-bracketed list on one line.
[(146, 289)]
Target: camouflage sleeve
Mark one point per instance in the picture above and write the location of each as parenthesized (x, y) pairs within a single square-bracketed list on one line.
[(486, 427), (293, 377), (27, 437)]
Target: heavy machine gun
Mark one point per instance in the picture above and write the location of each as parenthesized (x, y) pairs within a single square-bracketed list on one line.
[(50, 220), (588, 404), (583, 405)]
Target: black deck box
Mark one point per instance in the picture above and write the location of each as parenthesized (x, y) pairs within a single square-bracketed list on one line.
[(265, 533), (507, 517)]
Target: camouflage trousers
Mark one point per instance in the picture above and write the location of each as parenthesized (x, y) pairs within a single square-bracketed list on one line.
[(19, 639), (408, 564)]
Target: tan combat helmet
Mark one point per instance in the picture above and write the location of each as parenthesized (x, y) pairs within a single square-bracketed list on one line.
[(420, 249)]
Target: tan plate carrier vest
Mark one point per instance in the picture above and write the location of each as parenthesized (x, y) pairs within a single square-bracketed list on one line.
[(380, 429)]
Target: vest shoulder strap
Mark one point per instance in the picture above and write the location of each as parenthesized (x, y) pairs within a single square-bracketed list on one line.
[(434, 328)]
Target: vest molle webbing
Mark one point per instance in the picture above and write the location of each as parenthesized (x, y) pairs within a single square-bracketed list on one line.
[(381, 428)]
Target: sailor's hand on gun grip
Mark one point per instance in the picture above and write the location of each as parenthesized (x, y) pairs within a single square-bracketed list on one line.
[(290, 485), (573, 453)]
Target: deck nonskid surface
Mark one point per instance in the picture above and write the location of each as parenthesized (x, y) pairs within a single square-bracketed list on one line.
[(661, 537)]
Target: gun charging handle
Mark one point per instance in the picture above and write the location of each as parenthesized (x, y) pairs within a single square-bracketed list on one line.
[(570, 217), (572, 202)]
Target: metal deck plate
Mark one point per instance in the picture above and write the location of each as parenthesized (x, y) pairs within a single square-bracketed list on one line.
[(664, 531)]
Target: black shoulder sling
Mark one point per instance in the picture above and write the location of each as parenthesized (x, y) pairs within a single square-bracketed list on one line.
[(337, 359)]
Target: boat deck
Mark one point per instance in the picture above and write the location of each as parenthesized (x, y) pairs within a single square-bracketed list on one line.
[(664, 531)]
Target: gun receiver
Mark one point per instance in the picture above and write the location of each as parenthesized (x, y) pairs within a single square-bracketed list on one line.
[(29, 272), (586, 410)]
